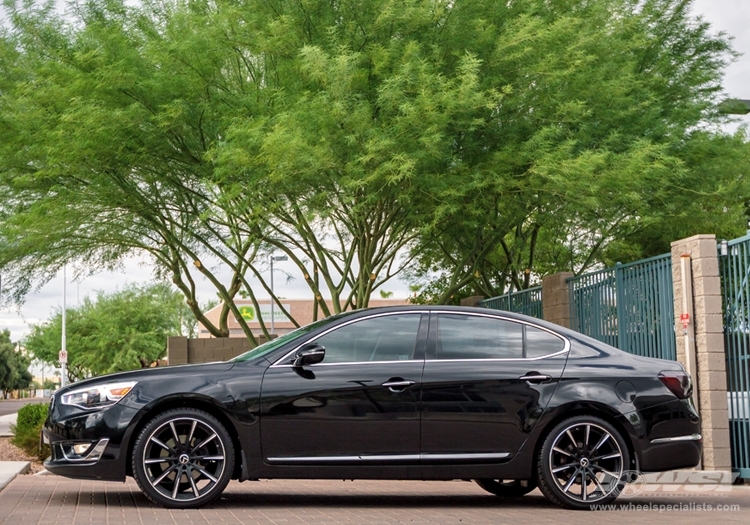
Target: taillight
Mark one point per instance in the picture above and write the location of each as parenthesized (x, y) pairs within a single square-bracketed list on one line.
[(678, 382)]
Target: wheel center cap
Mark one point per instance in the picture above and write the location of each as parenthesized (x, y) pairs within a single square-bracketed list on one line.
[(184, 459), (584, 462)]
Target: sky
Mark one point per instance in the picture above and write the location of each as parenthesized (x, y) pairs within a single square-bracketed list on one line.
[(729, 16)]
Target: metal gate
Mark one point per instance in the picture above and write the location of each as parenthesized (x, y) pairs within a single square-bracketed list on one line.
[(734, 264), (527, 302), (630, 306)]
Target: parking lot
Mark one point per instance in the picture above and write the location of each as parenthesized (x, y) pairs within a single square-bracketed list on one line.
[(54, 500)]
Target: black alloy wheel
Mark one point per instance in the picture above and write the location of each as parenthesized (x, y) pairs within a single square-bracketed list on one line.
[(507, 488), (183, 458), (583, 463)]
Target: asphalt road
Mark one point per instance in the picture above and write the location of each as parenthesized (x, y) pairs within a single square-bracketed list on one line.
[(11, 406)]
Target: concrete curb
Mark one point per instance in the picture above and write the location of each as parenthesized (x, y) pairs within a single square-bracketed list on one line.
[(5, 423), (10, 469)]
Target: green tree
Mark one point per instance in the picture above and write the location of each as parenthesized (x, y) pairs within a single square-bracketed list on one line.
[(115, 332), (477, 144), (14, 366)]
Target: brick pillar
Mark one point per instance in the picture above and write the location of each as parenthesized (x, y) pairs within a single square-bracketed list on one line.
[(706, 336), (472, 300), (556, 299), (177, 350)]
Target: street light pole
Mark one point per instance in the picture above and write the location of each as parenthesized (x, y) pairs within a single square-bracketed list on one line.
[(274, 258), (64, 340)]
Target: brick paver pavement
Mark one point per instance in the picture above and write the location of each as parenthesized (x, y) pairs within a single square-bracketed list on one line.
[(54, 500)]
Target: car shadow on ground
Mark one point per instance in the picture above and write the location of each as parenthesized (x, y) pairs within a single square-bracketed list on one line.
[(122, 496)]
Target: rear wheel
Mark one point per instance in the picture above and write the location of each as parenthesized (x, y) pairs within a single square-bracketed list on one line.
[(183, 458), (583, 462), (507, 488)]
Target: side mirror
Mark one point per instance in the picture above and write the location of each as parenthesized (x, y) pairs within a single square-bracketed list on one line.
[(309, 355)]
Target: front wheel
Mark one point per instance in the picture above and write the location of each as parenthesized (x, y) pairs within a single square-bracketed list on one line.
[(507, 488), (183, 458), (583, 462)]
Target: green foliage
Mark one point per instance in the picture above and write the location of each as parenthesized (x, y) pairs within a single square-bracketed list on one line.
[(27, 428), (14, 366), (120, 331), (478, 144)]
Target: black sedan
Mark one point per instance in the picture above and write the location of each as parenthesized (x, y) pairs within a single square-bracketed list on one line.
[(427, 393)]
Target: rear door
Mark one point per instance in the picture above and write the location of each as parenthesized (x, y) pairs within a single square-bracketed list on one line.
[(487, 381)]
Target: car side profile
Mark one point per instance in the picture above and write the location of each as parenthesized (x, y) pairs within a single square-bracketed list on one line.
[(411, 392)]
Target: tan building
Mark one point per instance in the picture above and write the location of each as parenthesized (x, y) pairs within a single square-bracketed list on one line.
[(300, 309)]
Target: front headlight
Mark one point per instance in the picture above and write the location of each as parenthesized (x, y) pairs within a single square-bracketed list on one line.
[(98, 396)]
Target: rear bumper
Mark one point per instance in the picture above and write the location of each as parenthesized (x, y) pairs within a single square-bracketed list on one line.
[(672, 453)]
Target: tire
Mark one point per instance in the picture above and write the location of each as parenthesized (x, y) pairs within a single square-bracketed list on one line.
[(507, 488), (583, 462), (183, 458)]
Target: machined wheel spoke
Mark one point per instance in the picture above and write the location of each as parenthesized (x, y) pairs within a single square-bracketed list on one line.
[(570, 481), (602, 440), (192, 484), (599, 485), (607, 456), (164, 475), (154, 461), (162, 445), (572, 439), (584, 485), (176, 487), (192, 431), (203, 471), (174, 433), (564, 467), (605, 471), (207, 458), (561, 451), (204, 442), (586, 439)]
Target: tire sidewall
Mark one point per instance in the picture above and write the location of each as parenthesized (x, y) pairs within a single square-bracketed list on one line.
[(141, 476)]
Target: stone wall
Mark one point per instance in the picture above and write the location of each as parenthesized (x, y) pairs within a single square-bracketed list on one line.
[(182, 351)]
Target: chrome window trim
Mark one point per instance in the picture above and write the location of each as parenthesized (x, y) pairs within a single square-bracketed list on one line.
[(691, 437), (278, 362), (388, 458), (566, 341)]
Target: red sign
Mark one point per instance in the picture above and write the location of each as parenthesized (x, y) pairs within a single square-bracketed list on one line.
[(685, 319)]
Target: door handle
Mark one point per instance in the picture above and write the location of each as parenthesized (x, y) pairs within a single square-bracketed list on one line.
[(398, 385), (535, 377)]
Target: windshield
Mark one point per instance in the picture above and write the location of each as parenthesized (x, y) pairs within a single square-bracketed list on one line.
[(278, 342)]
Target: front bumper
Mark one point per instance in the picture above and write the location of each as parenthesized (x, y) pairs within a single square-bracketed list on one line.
[(88, 445)]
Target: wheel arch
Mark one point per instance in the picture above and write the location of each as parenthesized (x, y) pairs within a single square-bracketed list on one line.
[(588, 409), (199, 402)]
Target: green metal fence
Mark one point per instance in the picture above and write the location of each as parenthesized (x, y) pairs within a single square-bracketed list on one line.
[(527, 302), (630, 306), (734, 264)]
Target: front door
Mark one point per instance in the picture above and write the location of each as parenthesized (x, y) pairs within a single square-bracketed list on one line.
[(359, 405), (486, 383)]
